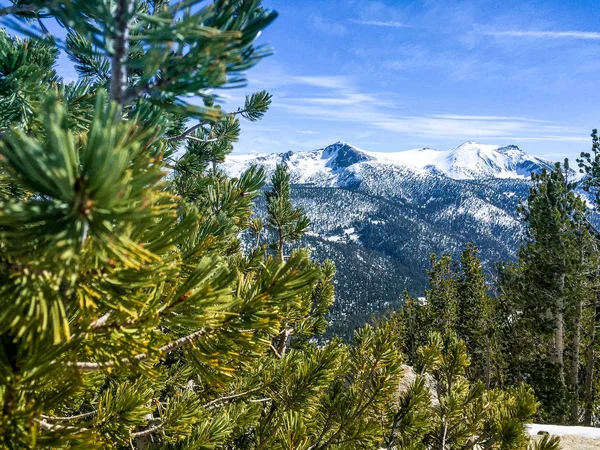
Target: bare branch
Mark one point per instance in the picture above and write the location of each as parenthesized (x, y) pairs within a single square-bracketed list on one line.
[(185, 134), (54, 426), (258, 400), (16, 9), (201, 140), (101, 321), (277, 354), (239, 111)]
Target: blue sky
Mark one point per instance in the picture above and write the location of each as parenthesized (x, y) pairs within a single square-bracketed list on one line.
[(390, 75)]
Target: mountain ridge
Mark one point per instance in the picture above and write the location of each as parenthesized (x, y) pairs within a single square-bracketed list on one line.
[(341, 163), (380, 216)]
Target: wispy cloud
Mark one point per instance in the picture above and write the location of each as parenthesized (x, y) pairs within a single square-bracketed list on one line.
[(348, 105), (381, 23), (585, 35), (307, 132), (327, 82)]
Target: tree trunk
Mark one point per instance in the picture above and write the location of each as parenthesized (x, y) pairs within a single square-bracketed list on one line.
[(118, 76), (576, 351), (576, 361), (559, 337), (281, 241), (589, 367), (488, 363)]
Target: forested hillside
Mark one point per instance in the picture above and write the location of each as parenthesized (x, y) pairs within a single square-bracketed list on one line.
[(380, 221)]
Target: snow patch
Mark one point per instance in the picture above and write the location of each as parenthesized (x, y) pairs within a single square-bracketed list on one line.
[(560, 430)]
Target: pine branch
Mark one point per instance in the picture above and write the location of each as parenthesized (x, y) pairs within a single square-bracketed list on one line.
[(204, 141), (259, 400), (101, 321), (185, 134), (147, 431), (277, 354), (17, 9), (69, 418), (230, 397), (166, 349), (54, 427)]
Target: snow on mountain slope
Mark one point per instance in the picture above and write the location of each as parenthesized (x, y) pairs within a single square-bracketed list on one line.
[(340, 163), (469, 161), (379, 216)]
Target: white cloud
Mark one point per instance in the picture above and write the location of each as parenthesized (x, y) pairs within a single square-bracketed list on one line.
[(338, 100), (371, 112), (345, 98), (474, 117), (381, 23), (328, 82), (587, 35)]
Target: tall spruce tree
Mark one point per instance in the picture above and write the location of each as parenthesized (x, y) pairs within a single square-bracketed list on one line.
[(442, 294), (546, 291), (589, 164), (456, 301), (284, 220), (475, 325)]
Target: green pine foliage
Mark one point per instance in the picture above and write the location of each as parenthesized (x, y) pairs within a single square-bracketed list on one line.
[(545, 292), (457, 301), (442, 293), (136, 313), (441, 408), (476, 325), (287, 223)]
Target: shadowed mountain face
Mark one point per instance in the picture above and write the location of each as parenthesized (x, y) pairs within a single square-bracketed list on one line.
[(379, 216)]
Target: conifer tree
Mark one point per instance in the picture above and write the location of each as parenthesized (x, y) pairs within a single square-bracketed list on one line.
[(442, 294), (546, 289), (441, 409), (127, 304), (414, 314), (589, 164), (286, 222), (475, 313)]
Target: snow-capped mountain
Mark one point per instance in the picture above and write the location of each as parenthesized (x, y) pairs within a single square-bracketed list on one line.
[(380, 216), (340, 163)]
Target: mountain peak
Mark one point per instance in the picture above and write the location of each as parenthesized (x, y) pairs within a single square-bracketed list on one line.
[(342, 155)]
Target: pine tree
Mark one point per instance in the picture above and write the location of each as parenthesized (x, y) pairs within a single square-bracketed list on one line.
[(415, 317), (546, 291), (127, 303), (441, 409), (442, 294), (286, 222), (475, 324), (589, 164)]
